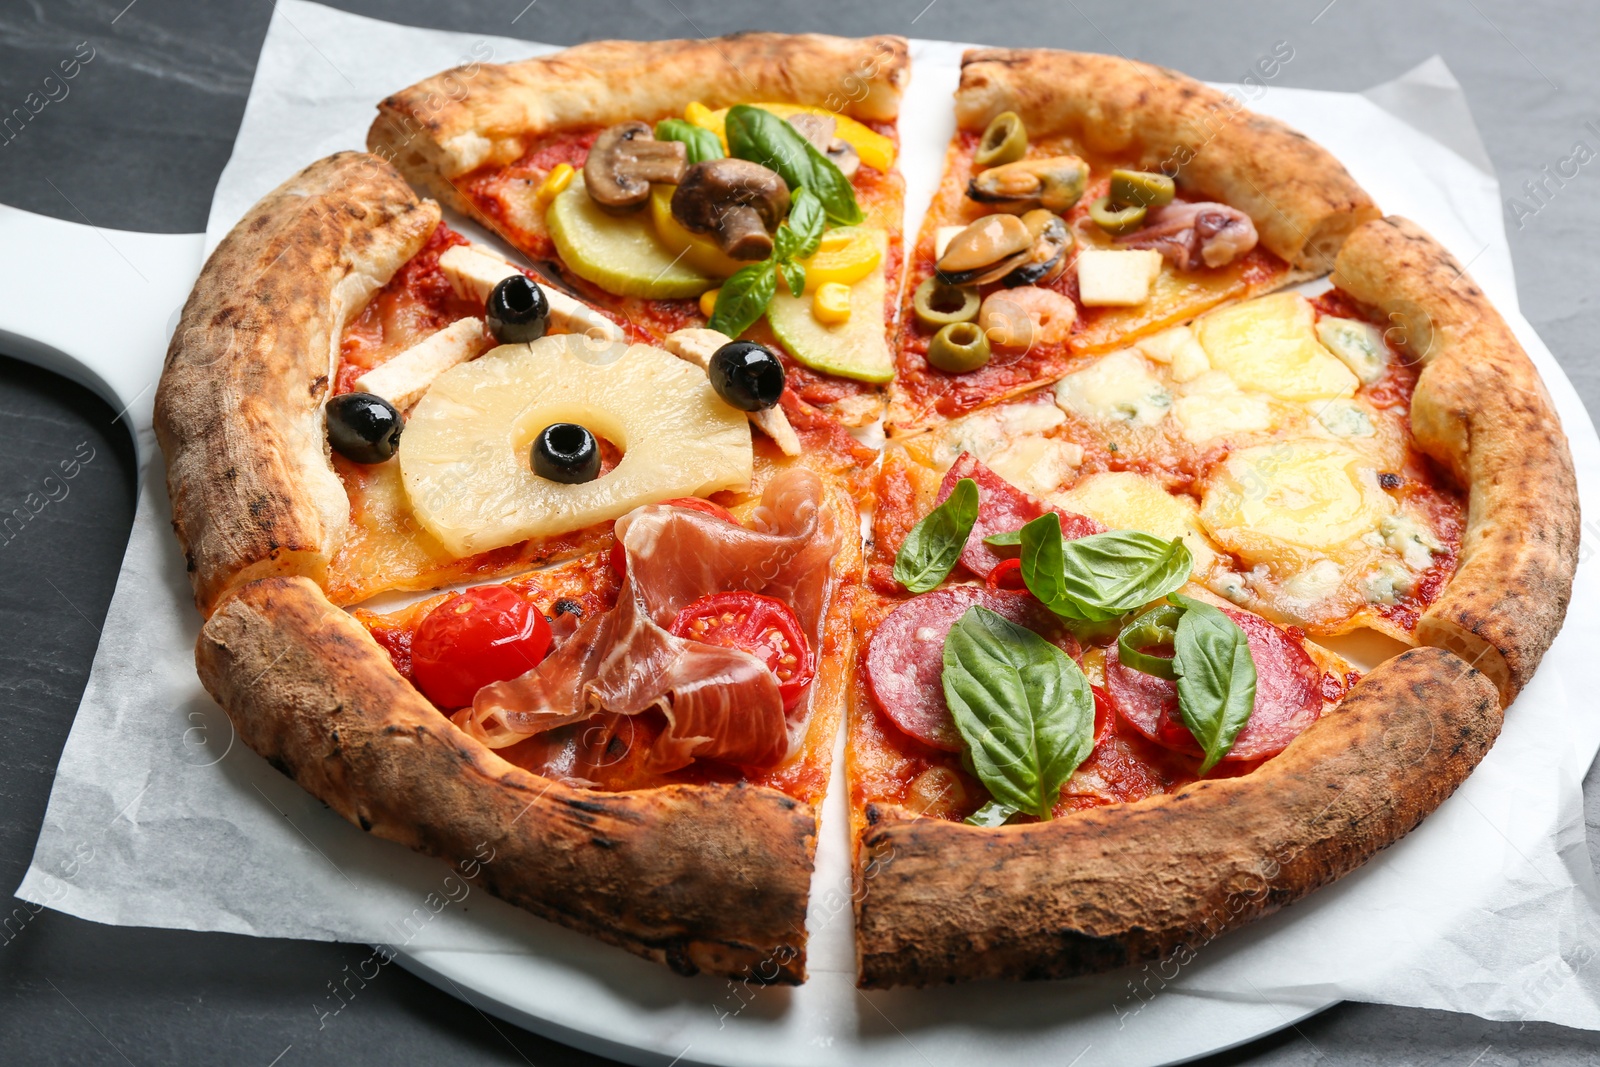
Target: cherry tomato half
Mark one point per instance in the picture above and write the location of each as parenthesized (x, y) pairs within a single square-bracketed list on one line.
[(761, 625), (619, 557), (1008, 575), (486, 634)]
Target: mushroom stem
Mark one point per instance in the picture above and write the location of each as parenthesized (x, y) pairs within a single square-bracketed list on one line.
[(742, 235), (738, 202)]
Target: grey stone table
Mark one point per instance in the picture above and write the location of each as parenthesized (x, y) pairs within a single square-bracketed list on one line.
[(137, 144)]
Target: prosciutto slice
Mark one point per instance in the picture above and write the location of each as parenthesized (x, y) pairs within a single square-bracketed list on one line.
[(1194, 235), (720, 703)]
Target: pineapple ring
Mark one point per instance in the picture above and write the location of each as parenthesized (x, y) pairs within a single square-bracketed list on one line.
[(466, 457)]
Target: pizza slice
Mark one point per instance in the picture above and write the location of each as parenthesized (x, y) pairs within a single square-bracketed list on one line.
[(1096, 719), (348, 409), (1089, 200), (746, 182)]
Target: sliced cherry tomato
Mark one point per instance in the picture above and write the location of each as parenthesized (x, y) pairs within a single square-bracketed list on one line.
[(1008, 575), (619, 556), (761, 625), (486, 634)]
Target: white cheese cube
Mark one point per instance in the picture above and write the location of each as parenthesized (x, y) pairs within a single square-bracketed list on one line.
[(404, 379), (1116, 277)]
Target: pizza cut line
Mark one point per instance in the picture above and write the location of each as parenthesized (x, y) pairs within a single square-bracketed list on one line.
[(566, 554)]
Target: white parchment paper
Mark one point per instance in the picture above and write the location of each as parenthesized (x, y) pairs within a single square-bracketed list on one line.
[(159, 817)]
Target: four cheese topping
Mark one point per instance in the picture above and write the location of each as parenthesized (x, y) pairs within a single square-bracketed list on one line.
[(1296, 468)]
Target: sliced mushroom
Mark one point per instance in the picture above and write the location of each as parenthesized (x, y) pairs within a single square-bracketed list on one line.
[(989, 249), (1055, 183), (1047, 259), (738, 202), (624, 160), (819, 130)]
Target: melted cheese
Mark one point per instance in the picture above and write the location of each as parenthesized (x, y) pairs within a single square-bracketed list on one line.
[(1037, 465), (987, 432), (1213, 406), (1270, 344), (1410, 540), (1180, 350), (1122, 500), (1117, 388), (1358, 344), (1292, 503), (1343, 418)]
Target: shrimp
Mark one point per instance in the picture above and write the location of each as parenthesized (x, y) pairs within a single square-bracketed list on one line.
[(1023, 317)]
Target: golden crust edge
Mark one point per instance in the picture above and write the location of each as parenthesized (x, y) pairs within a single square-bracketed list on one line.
[(448, 125), (1303, 201), (238, 409), (702, 878), (939, 901), (1480, 410)]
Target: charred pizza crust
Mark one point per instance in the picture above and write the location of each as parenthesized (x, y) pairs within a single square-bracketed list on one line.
[(701, 878), (1480, 410), (941, 901), (239, 410), (449, 125), (1301, 199)]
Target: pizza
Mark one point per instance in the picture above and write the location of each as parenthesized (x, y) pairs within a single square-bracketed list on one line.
[(575, 528)]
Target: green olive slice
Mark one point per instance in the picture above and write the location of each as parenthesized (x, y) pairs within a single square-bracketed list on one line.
[(937, 304), (1116, 220), (1004, 140), (959, 347), (1141, 188)]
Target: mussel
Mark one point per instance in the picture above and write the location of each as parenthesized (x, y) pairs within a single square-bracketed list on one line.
[(986, 251), (1055, 183), (1047, 258), (1030, 250)]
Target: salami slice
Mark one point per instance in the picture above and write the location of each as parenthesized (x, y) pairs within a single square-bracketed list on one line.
[(905, 661), (1288, 695), (1003, 508)]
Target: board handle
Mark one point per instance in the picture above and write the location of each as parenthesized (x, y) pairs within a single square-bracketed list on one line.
[(95, 305)]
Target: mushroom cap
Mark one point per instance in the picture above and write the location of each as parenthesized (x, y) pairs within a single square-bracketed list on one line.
[(712, 187), (625, 159)]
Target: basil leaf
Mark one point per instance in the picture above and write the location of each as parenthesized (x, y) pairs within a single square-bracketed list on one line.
[(1004, 540), (794, 276), (701, 142), (743, 298), (764, 138), (993, 813), (1216, 677), (934, 544), (1102, 576), (833, 189), (801, 233), (1022, 706)]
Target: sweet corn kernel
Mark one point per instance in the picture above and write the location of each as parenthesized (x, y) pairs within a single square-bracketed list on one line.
[(831, 303), (555, 183)]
